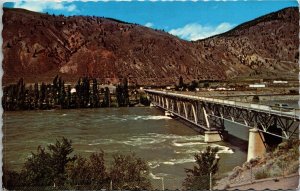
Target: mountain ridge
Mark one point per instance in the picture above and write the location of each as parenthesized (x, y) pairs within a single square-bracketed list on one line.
[(110, 49)]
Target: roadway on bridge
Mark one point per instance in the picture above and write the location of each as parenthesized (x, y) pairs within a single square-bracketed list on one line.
[(287, 112)]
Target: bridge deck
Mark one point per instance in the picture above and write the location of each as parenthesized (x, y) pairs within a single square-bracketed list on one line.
[(289, 113)]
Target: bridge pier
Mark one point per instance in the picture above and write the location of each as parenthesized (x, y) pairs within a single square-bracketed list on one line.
[(214, 136), (256, 146)]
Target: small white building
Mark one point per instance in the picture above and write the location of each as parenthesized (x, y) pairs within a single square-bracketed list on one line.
[(279, 82), (257, 85)]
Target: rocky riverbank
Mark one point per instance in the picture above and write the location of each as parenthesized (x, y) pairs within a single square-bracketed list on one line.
[(282, 161)]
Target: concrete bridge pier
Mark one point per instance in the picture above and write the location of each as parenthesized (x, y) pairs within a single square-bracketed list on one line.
[(215, 136), (256, 146)]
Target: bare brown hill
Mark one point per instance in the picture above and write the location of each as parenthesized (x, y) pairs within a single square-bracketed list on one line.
[(38, 46), (265, 47)]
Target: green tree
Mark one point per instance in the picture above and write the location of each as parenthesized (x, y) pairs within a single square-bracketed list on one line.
[(78, 172), (106, 99), (88, 174), (37, 169), (21, 94), (95, 96), (181, 84), (36, 95), (99, 176), (122, 94), (129, 172), (194, 84), (199, 176), (60, 152)]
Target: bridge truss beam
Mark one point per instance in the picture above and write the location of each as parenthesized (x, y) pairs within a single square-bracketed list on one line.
[(211, 116)]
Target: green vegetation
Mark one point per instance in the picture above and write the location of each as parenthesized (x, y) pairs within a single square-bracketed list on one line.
[(85, 94), (144, 100), (284, 160), (281, 161), (255, 99), (199, 177), (122, 94), (194, 84), (261, 174), (54, 168)]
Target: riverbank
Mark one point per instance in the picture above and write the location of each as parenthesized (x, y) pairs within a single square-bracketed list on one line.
[(283, 162), (290, 182)]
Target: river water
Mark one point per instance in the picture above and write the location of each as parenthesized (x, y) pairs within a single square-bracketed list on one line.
[(166, 144)]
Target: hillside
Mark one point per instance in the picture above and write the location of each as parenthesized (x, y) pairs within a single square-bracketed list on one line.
[(266, 46), (38, 46)]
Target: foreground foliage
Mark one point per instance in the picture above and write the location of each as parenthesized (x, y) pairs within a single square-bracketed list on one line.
[(199, 177), (55, 168)]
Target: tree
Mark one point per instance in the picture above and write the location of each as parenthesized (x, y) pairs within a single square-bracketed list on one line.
[(130, 173), (122, 94), (99, 176), (47, 168), (181, 84), (255, 99), (21, 94), (59, 158), (95, 96), (106, 99), (78, 172), (193, 85), (36, 95), (206, 163), (37, 169)]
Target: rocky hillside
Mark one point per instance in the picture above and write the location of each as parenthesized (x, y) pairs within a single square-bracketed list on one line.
[(38, 46), (266, 46), (281, 161)]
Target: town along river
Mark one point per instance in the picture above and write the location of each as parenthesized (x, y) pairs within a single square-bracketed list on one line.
[(165, 143)]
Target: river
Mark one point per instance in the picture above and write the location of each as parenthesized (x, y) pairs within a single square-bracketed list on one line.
[(165, 143)]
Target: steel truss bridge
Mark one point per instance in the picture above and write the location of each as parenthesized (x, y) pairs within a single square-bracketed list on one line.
[(209, 114)]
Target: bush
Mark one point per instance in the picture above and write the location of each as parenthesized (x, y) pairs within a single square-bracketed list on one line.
[(144, 100), (261, 174), (255, 99)]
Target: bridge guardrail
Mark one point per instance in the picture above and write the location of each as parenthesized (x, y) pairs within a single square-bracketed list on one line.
[(288, 112)]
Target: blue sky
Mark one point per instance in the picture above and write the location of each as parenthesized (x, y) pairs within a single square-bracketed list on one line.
[(188, 20)]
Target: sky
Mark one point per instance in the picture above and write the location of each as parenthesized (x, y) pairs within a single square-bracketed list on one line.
[(189, 20)]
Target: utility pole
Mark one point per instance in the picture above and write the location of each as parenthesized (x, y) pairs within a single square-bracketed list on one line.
[(162, 183), (210, 181)]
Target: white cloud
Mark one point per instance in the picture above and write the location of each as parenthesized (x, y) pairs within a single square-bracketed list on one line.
[(149, 24), (71, 8), (41, 6), (195, 31)]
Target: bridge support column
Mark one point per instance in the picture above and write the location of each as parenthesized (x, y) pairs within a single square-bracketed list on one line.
[(212, 136), (256, 147)]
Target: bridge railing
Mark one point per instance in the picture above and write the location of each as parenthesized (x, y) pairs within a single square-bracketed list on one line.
[(282, 111)]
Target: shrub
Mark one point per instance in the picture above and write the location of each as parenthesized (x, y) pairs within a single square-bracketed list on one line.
[(261, 174)]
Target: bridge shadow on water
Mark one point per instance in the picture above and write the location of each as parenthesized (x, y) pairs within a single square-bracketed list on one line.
[(231, 139), (238, 142)]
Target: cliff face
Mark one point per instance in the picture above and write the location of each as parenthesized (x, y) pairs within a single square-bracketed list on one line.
[(39, 46)]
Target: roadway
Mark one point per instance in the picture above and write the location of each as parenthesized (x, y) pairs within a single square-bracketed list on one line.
[(280, 111)]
